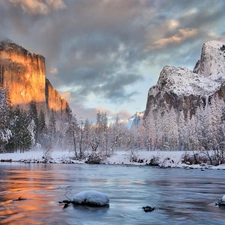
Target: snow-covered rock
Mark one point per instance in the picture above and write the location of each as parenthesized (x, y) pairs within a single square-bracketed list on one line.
[(94, 198), (223, 199), (183, 82), (212, 60), (221, 202), (94, 158)]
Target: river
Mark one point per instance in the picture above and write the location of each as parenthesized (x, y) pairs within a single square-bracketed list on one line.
[(180, 196)]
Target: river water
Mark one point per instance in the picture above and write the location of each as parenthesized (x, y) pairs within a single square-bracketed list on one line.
[(180, 196)]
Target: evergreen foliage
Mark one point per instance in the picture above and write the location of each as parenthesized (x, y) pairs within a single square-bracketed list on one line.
[(33, 115), (21, 138), (52, 128), (42, 131), (5, 110)]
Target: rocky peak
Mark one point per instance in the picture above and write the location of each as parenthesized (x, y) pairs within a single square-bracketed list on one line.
[(183, 101), (183, 82), (212, 62)]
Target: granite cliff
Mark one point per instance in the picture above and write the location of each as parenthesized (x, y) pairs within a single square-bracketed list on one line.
[(23, 73), (185, 108)]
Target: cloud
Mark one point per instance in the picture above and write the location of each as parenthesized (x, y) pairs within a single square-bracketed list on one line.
[(123, 114), (99, 46), (67, 96), (53, 70), (182, 35), (91, 113), (42, 7)]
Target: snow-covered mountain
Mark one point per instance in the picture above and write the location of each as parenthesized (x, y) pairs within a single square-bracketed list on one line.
[(134, 120), (184, 108)]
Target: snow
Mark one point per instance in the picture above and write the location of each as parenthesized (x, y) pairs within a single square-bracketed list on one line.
[(91, 198), (223, 198), (214, 44), (212, 60), (166, 159), (182, 81), (35, 156)]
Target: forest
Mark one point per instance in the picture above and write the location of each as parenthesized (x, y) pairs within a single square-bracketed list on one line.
[(22, 130), (202, 132)]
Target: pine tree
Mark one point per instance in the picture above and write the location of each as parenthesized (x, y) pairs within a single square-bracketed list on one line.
[(5, 111), (52, 128), (42, 132), (100, 133), (21, 138), (87, 130), (72, 135), (33, 115)]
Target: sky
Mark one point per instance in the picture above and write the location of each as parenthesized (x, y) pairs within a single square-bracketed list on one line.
[(104, 55)]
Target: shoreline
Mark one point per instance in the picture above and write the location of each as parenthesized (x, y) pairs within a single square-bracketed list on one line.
[(165, 159)]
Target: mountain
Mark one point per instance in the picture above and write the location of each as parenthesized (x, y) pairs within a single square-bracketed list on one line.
[(184, 109), (134, 120), (23, 73)]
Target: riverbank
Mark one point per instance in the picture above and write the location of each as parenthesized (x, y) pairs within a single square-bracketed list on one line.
[(163, 159)]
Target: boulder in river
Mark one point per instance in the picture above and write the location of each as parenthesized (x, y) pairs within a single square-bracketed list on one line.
[(92, 198)]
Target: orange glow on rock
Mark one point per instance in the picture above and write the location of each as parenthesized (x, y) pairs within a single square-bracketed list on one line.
[(23, 74)]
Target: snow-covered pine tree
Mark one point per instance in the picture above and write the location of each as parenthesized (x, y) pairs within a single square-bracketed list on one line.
[(72, 135), (87, 130), (42, 131), (5, 111), (52, 129), (33, 115), (21, 138)]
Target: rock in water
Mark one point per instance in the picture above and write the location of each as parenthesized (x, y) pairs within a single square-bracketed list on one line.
[(148, 208), (221, 202), (93, 198)]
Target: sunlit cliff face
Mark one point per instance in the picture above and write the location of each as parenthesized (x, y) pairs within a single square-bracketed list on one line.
[(54, 100), (23, 73)]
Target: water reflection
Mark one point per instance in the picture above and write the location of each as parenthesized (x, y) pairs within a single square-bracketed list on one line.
[(180, 196)]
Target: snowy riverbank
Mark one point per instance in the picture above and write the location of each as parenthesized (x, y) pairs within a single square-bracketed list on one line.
[(164, 159)]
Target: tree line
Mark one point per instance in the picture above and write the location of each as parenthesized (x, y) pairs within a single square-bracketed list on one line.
[(22, 130)]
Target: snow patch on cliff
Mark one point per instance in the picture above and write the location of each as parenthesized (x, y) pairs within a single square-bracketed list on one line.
[(182, 81)]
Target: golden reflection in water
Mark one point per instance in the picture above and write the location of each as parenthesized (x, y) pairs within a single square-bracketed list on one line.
[(30, 187)]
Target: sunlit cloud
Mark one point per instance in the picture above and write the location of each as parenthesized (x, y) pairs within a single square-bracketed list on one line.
[(173, 24), (67, 96), (56, 4), (182, 35), (38, 6), (123, 114)]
